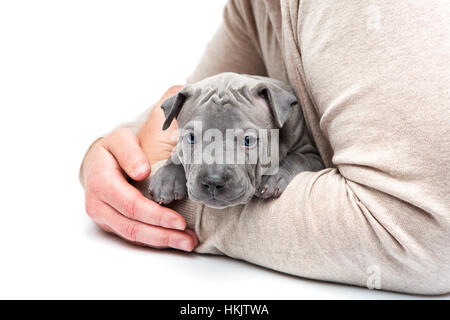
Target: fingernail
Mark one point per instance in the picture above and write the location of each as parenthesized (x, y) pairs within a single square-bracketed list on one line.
[(192, 233), (140, 170), (185, 245)]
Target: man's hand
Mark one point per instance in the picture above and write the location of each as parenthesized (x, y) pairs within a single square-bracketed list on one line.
[(118, 207)]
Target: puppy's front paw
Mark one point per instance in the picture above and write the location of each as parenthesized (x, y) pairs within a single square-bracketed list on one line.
[(273, 186), (168, 184)]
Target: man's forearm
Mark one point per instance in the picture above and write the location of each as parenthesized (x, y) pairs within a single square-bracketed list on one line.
[(317, 229)]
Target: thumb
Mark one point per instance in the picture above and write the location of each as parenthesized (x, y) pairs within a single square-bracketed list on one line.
[(123, 144)]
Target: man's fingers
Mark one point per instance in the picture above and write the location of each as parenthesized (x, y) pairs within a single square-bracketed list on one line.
[(138, 232), (110, 186), (123, 144), (126, 199), (193, 235)]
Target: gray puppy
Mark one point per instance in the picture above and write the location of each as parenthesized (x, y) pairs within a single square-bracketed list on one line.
[(256, 110)]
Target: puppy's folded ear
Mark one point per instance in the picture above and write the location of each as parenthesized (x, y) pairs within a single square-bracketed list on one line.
[(280, 100), (172, 107)]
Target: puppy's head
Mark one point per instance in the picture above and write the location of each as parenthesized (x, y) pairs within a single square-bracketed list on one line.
[(228, 134)]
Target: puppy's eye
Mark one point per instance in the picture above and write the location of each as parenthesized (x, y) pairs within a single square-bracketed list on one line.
[(190, 137), (249, 141)]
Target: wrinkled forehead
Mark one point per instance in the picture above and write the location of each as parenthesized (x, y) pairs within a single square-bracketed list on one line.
[(222, 117), (225, 111)]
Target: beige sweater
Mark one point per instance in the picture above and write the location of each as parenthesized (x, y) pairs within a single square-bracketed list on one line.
[(373, 78)]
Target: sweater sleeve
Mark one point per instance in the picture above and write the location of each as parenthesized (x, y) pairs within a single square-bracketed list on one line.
[(234, 47), (318, 229)]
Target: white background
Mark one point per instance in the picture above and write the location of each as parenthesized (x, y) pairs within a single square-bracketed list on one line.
[(70, 71)]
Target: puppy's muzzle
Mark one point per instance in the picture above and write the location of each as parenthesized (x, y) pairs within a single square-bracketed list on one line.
[(215, 182)]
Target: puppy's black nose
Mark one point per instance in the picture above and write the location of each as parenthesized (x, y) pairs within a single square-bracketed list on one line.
[(214, 182)]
